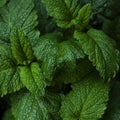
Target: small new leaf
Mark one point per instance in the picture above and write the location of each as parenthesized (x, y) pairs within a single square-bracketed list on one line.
[(21, 47), (86, 101), (101, 51), (83, 17), (33, 79)]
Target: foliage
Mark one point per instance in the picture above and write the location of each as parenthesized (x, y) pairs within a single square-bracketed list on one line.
[(59, 60)]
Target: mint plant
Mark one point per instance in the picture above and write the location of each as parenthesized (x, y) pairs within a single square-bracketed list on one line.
[(58, 60)]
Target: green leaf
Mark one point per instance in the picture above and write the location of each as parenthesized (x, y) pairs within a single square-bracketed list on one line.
[(9, 77), (68, 52), (62, 10), (33, 79), (49, 64), (68, 13), (29, 107), (57, 53), (46, 51), (101, 51), (2, 3), (21, 47), (83, 17), (86, 101), (46, 41), (17, 13)]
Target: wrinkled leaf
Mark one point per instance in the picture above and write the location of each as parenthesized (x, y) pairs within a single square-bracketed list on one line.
[(62, 10), (86, 101), (69, 51), (9, 77), (21, 47), (28, 107), (33, 79), (83, 17), (46, 51), (17, 13), (101, 51)]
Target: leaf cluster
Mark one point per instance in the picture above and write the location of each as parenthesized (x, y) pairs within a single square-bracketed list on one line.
[(57, 62)]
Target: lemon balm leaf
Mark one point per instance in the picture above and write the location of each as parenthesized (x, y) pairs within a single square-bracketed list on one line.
[(86, 101)]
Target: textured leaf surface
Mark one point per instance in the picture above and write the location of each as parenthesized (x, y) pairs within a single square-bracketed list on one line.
[(68, 12), (9, 77), (45, 43), (21, 47), (68, 52), (33, 79), (49, 64), (100, 49), (17, 13), (83, 17), (46, 51), (62, 10), (86, 101), (28, 107), (54, 53)]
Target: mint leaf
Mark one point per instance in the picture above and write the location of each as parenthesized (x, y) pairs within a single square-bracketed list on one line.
[(17, 13), (9, 77), (48, 41), (46, 51), (62, 10), (68, 13), (33, 79), (101, 51), (49, 64), (28, 107), (83, 17), (68, 52), (86, 101), (21, 47), (57, 53)]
